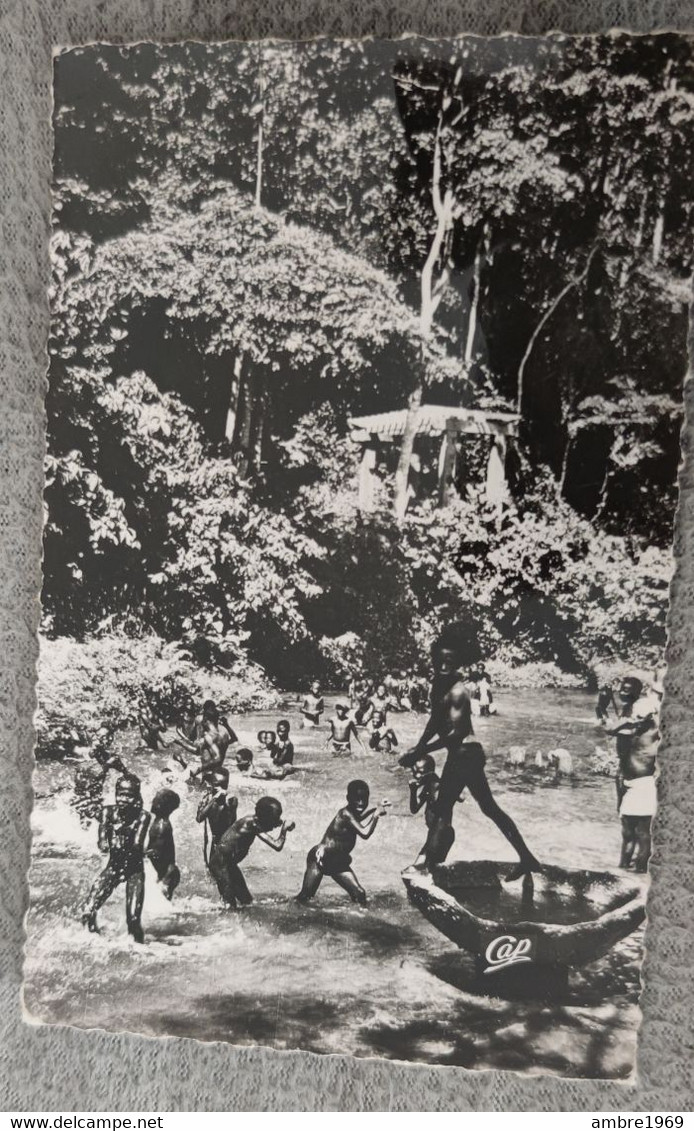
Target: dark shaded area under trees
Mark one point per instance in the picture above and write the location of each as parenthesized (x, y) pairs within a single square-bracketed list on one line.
[(255, 242)]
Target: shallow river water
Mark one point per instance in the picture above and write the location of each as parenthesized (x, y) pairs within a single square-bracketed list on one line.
[(330, 977)]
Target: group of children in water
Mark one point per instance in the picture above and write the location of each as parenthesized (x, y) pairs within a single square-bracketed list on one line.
[(130, 835)]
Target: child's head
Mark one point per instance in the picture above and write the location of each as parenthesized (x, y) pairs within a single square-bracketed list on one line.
[(165, 803), (424, 766), (378, 718), (209, 710), (266, 738), (630, 689), (381, 690), (315, 687), (455, 647), (128, 794), (357, 796), (268, 813), (341, 709), (220, 777), (283, 729), (244, 758)]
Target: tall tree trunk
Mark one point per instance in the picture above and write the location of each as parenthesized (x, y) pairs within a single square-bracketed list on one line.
[(475, 296), (260, 139), (259, 423), (658, 229), (573, 282), (431, 293), (245, 430), (233, 404)]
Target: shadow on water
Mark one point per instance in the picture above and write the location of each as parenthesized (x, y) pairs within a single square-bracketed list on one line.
[(295, 1022)]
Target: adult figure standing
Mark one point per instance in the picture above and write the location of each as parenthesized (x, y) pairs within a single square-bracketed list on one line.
[(450, 727), (636, 731)]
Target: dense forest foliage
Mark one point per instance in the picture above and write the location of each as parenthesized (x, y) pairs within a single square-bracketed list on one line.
[(255, 242)]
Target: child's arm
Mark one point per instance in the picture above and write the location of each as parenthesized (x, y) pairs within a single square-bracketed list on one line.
[(365, 828), (277, 843), (353, 730), (425, 744), (417, 797), (157, 834), (204, 808), (105, 828), (185, 743), (330, 737), (142, 828), (230, 730)]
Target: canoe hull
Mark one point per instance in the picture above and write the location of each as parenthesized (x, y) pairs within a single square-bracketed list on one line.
[(617, 908)]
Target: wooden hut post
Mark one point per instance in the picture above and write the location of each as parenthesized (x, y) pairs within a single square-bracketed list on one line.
[(367, 476), (496, 487), (447, 460)]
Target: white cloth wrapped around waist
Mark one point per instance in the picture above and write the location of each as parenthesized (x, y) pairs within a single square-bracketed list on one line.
[(640, 797)]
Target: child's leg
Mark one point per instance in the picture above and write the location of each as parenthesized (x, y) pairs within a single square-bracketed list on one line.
[(312, 878), (349, 882), (104, 886), (438, 843), (238, 885), (178, 757), (134, 899), (628, 841), (170, 880), (643, 843), (218, 870)]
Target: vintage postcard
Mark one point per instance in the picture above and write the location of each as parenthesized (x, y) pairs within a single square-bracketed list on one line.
[(364, 405)]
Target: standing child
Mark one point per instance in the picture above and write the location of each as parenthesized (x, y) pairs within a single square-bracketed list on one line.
[(424, 792), (161, 850), (284, 747), (218, 811), (235, 844), (313, 706), (122, 833), (342, 730), (382, 736), (332, 857)]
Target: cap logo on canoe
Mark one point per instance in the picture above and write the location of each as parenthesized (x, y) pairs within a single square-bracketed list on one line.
[(506, 950)]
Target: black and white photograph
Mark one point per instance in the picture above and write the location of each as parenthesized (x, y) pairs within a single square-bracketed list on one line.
[(363, 415)]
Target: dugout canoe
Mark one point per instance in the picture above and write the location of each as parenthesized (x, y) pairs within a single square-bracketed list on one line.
[(520, 927)]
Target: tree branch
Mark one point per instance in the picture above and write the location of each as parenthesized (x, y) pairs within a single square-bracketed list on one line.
[(573, 282)]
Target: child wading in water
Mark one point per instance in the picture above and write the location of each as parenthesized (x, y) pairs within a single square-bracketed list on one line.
[(332, 857), (235, 844), (122, 833), (424, 792), (161, 850), (219, 812), (283, 754), (342, 730), (313, 706), (382, 736)]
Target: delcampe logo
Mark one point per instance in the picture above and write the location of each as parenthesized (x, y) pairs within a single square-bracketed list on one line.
[(506, 950)]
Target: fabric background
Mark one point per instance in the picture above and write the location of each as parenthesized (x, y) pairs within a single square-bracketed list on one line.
[(62, 1069)]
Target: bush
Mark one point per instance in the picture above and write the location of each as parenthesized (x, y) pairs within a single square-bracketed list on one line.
[(86, 684)]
